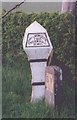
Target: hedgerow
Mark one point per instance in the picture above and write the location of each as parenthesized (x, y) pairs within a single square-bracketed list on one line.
[(60, 28)]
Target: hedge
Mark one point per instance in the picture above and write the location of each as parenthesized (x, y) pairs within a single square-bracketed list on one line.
[(60, 28)]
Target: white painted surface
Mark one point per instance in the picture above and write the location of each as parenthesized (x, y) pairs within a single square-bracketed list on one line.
[(59, 69), (61, 74), (38, 71), (37, 45), (38, 93)]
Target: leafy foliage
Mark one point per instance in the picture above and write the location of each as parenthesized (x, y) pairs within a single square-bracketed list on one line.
[(16, 71), (60, 29)]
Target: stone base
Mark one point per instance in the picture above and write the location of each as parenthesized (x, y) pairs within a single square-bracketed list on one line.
[(53, 84)]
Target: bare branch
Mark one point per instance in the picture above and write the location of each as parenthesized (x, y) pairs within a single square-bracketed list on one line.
[(18, 5)]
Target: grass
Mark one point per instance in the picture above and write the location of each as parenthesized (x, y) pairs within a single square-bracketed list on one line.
[(16, 95)]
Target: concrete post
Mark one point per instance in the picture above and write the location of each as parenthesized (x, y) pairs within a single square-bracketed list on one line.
[(37, 45)]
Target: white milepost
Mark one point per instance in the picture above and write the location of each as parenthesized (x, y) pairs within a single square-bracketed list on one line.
[(37, 45)]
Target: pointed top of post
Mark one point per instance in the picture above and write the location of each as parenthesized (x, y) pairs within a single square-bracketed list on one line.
[(35, 27), (36, 36)]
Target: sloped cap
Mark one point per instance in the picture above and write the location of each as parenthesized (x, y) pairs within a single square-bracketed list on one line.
[(35, 27), (36, 36)]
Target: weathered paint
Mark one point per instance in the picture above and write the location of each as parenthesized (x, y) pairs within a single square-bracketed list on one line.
[(37, 45)]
